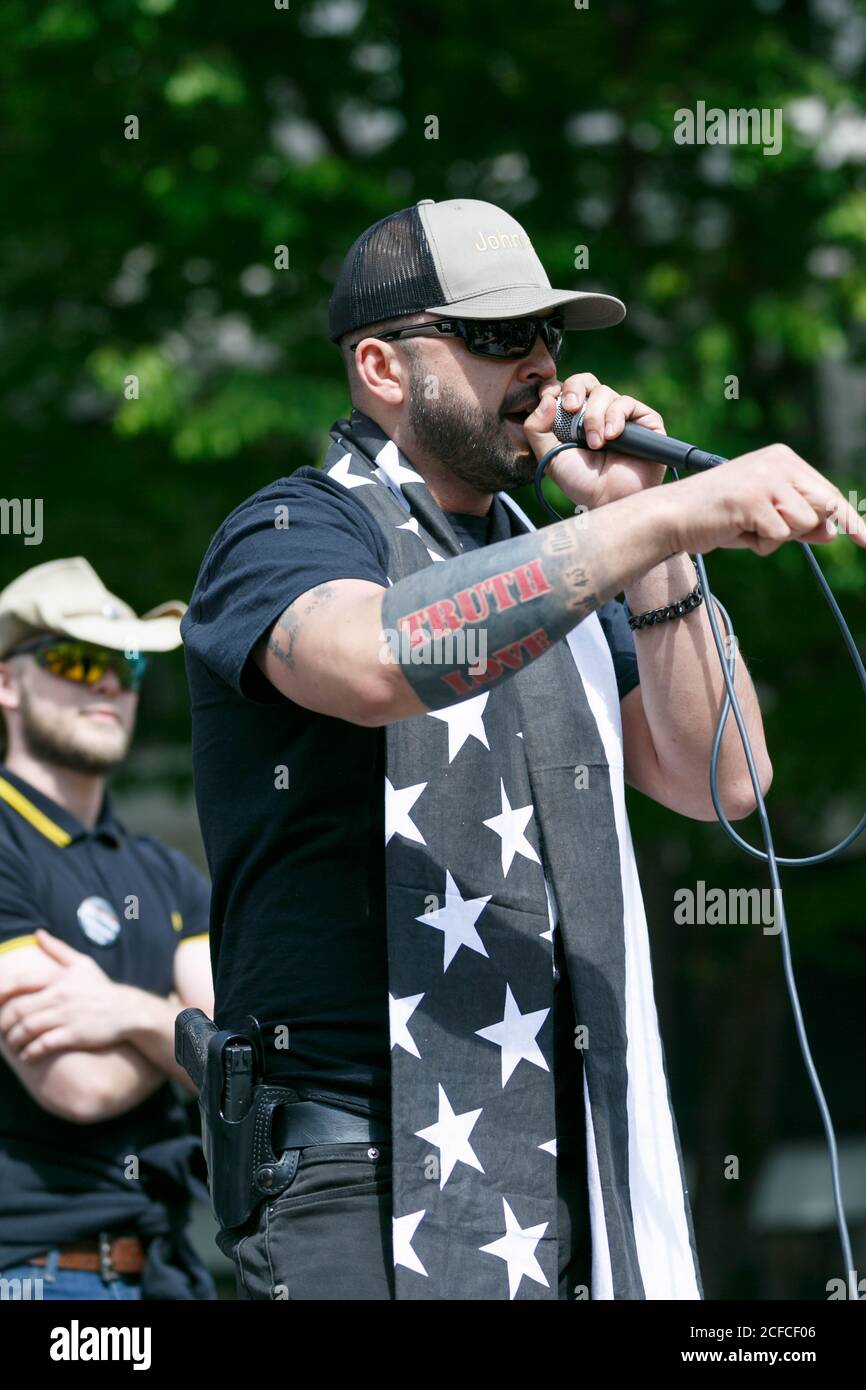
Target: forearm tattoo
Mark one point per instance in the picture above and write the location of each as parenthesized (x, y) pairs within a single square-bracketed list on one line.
[(455, 629)]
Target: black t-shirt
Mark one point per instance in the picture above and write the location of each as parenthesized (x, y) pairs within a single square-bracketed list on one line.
[(127, 901), (291, 802)]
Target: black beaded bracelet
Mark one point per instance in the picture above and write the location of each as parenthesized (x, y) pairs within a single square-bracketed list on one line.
[(673, 610)]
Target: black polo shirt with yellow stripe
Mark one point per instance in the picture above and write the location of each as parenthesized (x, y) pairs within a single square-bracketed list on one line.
[(130, 903)]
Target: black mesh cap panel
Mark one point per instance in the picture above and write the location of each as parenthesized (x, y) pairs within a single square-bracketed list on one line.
[(388, 272)]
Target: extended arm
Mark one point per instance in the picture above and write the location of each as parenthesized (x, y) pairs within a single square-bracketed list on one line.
[(350, 648), (346, 648)]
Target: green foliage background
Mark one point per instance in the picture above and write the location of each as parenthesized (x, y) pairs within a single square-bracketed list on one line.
[(261, 127)]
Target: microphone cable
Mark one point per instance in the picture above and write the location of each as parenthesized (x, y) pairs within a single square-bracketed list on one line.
[(727, 658)]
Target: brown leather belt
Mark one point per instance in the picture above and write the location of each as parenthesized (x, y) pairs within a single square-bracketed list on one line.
[(108, 1256)]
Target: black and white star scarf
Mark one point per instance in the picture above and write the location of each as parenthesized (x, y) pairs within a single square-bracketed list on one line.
[(501, 811)]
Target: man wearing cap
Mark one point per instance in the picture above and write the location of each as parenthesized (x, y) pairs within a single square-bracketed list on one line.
[(103, 939), (413, 717)]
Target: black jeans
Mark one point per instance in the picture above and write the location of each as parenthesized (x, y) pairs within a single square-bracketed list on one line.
[(328, 1236)]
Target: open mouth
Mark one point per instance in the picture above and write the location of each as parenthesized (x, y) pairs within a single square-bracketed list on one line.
[(517, 417)]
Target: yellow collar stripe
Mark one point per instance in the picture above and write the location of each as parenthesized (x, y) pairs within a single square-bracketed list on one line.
[(14, 798)]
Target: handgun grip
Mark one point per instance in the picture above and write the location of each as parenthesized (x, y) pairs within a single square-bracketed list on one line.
[(192, 1032)]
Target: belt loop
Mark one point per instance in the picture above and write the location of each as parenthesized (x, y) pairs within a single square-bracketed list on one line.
[(105, 1266), (52, 1265)]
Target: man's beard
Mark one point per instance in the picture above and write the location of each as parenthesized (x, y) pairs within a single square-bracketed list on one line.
[(475, 445), (51, 744)]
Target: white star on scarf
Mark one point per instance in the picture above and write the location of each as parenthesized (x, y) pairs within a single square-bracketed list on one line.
[(403, 1231), (464, 721), (392, 471), (340, 473), (398, 804), (412, 525), (456, 920), (516, 1035), (509, 826), (517, 1249), (400, 1011), (450, 1135)]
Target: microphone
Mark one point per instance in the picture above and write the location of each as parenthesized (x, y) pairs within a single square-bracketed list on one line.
[(637, 441)]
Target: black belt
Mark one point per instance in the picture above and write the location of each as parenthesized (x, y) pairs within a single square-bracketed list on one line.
[(306, 1122)]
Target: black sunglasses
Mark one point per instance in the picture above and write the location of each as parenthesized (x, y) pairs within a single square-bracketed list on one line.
[(501, 338)]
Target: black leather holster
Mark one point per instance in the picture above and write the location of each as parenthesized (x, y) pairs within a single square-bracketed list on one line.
[(252, 1131)]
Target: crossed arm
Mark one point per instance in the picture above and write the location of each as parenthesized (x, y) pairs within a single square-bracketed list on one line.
[(85, 1048)]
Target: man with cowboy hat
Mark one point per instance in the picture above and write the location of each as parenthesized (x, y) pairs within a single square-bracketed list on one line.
[(103, 939)]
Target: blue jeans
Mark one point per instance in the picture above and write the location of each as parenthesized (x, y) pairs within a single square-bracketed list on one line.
[(66, 1283)]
